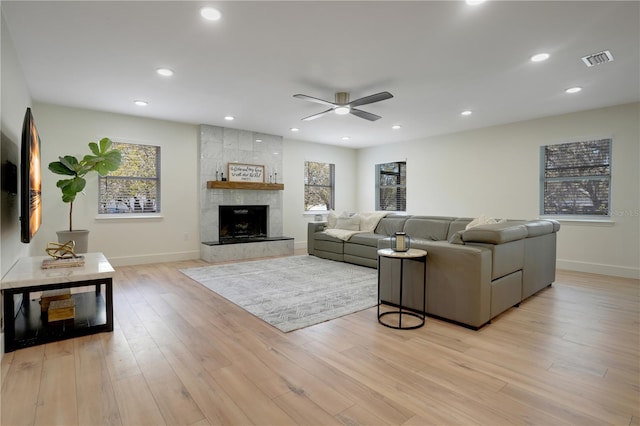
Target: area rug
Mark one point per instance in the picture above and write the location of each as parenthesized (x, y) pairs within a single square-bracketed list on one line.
[(292, 292)]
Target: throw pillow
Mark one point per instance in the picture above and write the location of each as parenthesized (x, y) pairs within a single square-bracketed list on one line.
[(483, 220), (332, 219), (349, 223)]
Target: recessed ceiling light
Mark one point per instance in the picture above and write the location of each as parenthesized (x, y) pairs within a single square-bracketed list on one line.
[(396, 127), (467, 112), (229, 118), (540, 57), (165, 72), (210, 14), (294, 129), (474, 2), (342, 110), (258, 140), (345, 138), (573, 89), (140, 102)]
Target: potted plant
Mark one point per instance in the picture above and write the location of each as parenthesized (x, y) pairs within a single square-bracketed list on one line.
[(102, 160)]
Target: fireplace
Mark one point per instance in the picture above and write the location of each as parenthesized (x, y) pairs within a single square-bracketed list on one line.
[(242, 223)]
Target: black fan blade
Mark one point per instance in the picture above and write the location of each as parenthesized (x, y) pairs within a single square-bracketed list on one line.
[(364, 114), (316, 100), (318, 115), (371, 99)]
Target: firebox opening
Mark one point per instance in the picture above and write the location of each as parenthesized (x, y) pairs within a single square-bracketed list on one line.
[(242, 223)]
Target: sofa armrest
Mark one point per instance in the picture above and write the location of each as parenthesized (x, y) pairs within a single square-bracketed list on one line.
[(458, 282), (496, 233), (535, 228), (312, 228)]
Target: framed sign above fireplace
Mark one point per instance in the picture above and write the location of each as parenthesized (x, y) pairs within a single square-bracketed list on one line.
[(245, 172)]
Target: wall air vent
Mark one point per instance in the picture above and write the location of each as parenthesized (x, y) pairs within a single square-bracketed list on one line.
[(597, 58)]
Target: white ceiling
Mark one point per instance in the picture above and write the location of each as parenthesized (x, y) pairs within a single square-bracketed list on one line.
[(436, 58)]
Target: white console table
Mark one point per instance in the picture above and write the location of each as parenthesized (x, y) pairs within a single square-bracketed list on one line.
[(28, 326)]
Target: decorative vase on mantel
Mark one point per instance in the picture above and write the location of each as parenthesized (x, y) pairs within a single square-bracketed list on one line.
[(79, 236)]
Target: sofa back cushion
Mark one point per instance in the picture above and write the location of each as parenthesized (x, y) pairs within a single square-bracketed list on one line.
[(427, 228), (458, 225), (391, 224)]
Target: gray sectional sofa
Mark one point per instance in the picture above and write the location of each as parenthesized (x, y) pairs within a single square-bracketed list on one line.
[(473, 275)]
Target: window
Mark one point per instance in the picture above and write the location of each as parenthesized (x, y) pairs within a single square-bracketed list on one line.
[(135, 186), (576, 178), (319, 186), (391, 186)]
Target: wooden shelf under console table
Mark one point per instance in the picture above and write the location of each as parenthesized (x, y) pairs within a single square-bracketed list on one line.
[(218, 184)]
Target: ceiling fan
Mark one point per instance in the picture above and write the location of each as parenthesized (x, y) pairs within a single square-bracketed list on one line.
[(342, 106)]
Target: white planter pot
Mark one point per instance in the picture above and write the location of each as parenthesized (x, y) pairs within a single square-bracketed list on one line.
[(80, 236)]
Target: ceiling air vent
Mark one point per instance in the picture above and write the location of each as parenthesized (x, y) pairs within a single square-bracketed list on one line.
[(597, 58)]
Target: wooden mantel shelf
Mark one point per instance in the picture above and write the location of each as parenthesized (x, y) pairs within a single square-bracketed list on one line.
[(217, 184)]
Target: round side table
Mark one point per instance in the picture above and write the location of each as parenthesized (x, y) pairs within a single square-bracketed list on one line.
[(415, 255)]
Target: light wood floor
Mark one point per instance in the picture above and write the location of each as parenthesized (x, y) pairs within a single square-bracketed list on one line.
[(180, 354)]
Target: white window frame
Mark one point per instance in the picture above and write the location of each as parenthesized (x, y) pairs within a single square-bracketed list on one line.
[(331, 186), (398, 186), (103, 214), (597, 171)]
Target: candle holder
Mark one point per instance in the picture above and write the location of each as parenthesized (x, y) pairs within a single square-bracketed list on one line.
[(401, 242)]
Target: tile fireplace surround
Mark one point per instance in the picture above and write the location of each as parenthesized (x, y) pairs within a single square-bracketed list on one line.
[(218, 147)]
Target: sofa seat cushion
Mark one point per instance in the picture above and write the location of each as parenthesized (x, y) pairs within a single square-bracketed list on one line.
[(359, 250), (336, 246), (323, 236), (366, 239), (497, 233)]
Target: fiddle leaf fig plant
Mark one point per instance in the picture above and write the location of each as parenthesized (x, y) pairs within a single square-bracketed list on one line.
[(104, 158)]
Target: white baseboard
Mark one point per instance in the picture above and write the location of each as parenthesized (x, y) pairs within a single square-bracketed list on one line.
[(299, 245), (153, 258), (598, 268)]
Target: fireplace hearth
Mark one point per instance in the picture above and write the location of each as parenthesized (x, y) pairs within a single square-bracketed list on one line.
[(242, 223)]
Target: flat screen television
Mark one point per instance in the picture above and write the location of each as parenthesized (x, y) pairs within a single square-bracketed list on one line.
[(30, 180)]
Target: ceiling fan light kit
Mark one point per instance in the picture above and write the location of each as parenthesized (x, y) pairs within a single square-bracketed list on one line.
[(342, 106)]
